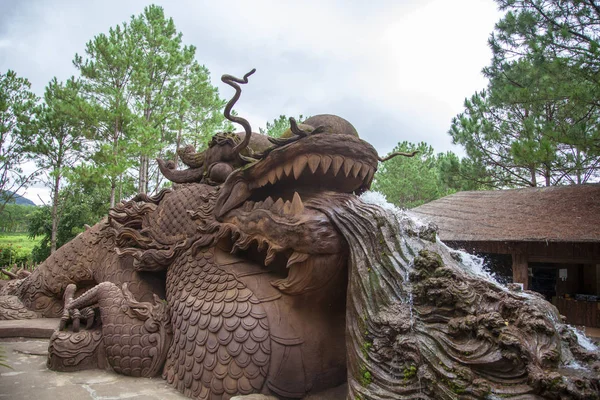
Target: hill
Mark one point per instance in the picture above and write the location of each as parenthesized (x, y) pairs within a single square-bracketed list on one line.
[(20, 200)]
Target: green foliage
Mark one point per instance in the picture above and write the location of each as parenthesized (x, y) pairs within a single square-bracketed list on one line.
[(17, 107), (409, 372), (280, 125), (459, 174), (410, 182), (146, 95), (538, 121), (105, 77), (58, 142), (84, 203), (365, 377), (198, 107), (16, 249), (525, 136), (13, 252), (20, 241), (14, 218)]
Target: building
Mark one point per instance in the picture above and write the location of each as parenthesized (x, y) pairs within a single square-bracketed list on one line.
[(547, 238)]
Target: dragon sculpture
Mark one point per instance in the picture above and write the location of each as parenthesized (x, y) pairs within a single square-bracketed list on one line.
[(248, 274)]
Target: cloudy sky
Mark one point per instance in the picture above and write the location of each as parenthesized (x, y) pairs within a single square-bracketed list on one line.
[(397, 70)]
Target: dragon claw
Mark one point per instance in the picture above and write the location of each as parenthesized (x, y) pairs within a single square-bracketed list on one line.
[(63, 321), (75, 316), (88, 314)]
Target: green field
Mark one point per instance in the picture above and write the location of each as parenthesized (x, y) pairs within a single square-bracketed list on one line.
[(19, 242)]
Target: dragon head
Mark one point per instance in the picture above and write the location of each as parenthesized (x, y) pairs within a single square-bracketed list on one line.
[(269, 188), (323, 154)]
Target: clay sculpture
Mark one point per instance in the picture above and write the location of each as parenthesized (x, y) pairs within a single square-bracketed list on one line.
[(263, 271)]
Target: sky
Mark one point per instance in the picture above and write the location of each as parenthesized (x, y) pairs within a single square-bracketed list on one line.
[(397, 70)]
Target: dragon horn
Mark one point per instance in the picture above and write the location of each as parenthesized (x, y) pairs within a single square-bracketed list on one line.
[(180, 176), (397, 153), (295, 129), (233, 82)]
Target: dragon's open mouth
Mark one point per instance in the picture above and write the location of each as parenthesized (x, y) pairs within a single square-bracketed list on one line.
[(333, 162), (314, 173)]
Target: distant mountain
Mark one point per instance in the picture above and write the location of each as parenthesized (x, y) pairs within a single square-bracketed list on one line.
[(20, 200)]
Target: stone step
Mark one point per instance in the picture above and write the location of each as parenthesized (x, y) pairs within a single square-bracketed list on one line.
[(30, 328)]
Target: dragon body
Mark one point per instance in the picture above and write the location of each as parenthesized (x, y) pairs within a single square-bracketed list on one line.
[(262, 271)]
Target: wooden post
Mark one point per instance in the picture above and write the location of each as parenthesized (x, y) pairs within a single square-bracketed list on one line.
[(520, 269)]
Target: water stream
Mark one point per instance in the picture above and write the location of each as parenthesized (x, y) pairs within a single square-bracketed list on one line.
[(427, 322)]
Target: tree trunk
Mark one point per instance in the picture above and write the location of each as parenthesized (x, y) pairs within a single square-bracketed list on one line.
[(578, 166), (142, 175), (113, 187), (113, 183), (177, 144), (120, 196), (533, 181), (55, 218)]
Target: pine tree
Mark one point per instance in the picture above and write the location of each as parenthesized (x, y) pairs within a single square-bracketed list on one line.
[(105, 77), (59, 140), (17, 108), (160, 59)]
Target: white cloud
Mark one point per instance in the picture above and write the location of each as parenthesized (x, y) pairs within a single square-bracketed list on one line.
[(398, 70)]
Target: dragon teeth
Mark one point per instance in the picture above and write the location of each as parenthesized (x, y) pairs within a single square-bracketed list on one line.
[(348, 164), (268, 203), (325, 163), (297, 207), (369, 176), (356, 169), (299, 165), (279, 172), (287, 208), (272, 176), (337, 163), (263, 181), (364, 171), (278, 206), (313, 162), (287, 168)]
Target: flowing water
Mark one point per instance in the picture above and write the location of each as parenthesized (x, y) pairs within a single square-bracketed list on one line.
[(428, 322)]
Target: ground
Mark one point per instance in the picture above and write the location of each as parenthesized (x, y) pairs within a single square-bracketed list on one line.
[(30, 379)]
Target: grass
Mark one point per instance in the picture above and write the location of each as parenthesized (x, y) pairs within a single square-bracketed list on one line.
[(21, 247), (19, 241)]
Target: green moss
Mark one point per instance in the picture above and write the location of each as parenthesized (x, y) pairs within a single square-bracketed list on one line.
[(362, 324), (365, 377), (366, 347), (409, 372), (455, 387)]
